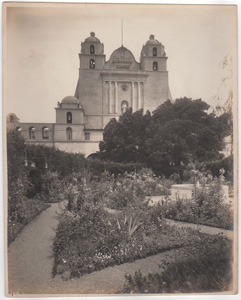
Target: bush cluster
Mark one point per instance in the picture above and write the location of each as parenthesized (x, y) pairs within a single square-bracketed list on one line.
[(207, 207), (91, 236), (206, 267)]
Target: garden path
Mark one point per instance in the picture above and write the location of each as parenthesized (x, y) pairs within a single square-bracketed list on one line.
[(30, 262), (202, 228)]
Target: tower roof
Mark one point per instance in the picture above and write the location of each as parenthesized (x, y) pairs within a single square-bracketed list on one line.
[(70, 100), (152, 41), (92, 38)]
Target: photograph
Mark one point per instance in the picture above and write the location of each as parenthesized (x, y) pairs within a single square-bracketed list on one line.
[(120, 149)]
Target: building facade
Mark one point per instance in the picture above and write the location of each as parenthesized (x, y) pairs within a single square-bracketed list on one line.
[(105, 89)]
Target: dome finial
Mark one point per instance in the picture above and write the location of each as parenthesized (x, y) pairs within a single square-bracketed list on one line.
[(92, 34), (152, 37)]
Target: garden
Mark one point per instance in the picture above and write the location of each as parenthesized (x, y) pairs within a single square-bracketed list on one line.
[(107, 221), (108, 216)]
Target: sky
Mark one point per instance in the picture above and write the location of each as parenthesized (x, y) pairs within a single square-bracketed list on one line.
[(42, 44)]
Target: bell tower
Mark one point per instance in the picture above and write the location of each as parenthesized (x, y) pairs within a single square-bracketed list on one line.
[(153, 56), (89, 86), (92, 53)]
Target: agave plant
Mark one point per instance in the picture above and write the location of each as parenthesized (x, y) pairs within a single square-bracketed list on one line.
[(131, 224)]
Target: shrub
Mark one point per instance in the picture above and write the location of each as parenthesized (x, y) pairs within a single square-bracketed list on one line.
[(51, 187), (91, 238), (133, 188), (206, 207), (25, 211), (206, 267)]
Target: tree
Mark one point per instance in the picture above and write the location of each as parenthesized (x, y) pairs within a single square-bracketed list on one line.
[(175, 134), (124, 140)]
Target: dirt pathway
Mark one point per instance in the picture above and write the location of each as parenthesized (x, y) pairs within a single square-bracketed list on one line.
[(30, 262), (30, 255), (202, 228)]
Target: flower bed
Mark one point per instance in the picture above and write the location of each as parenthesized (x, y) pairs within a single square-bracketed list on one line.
[(207, 207), (26, 211), (204, 267), (93, 239), (107, 221)]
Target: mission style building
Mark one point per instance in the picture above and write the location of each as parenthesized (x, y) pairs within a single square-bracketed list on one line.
[(105, 90)]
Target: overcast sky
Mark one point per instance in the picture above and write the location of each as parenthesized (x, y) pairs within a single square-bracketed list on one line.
[(42, 46)]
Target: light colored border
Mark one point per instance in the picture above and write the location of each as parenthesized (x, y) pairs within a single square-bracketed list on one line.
[(235, 108)]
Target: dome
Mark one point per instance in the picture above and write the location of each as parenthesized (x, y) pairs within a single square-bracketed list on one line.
[(152, 41), (92, 38), (70, 100)]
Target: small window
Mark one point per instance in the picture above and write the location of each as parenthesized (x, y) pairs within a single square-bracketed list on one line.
[(92, 64), (45, 133), (87, 136), (18, 129), (69, 134), (155, 66), (154, 51), (32, 133), (69, 117), (92, 49), (11, 118)]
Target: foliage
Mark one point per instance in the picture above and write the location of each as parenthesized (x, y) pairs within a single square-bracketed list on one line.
[(131, 189), (207, 206), (90, 236), (176, 133), (214, 166), (21, 210), (209, 269), (25, 210), (98, 167), (52, 189)]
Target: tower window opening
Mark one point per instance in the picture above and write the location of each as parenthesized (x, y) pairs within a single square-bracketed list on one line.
[(69, 117), (92, 49), (11, 118), (155, 66), (45, 133), (32, 133), (154, 51), (92, 64), (69, 134)]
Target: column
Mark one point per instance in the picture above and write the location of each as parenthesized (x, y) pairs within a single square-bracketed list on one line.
[(142, 95), (116, 102), (139, 95), (132, 97), (110, 102)]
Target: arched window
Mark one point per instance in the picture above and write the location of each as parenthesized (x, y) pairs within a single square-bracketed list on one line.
[(155, 66), (69, 117), (124, 106), (92, 49), (18, 129), (32, 133), (154, 51), (11, 118), (69, 134), (92, 63), (45, 133)]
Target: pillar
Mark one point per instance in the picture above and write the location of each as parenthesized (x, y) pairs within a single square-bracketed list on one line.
[(116, 100), (110, 102), (139, 95), (132, 97)]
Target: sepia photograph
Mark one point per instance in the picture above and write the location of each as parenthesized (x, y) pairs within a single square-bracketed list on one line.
[(120, 149)]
